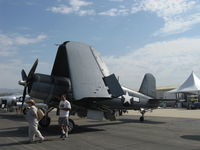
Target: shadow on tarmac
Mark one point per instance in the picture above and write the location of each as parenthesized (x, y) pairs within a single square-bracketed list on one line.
[(137, 121), (14, 132), (90, 127), (122, 121), (12, 116), (53, 131), (191, 137)]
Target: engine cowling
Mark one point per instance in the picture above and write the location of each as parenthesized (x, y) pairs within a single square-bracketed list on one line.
[(47, 87)]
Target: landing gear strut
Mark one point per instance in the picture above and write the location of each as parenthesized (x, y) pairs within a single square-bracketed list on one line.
[(46, 120)]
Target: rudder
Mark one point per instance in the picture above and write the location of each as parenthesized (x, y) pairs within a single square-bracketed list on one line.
[(148, 86)]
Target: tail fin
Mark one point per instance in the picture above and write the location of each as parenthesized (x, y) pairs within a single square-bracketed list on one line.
[(148, 86)]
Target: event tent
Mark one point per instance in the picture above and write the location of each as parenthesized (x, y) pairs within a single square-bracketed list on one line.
[(191, 85)]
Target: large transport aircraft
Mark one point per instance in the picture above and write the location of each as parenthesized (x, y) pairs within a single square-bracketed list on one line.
[(80, 73)]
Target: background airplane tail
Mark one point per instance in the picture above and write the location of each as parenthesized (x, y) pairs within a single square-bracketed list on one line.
[(148, 86)]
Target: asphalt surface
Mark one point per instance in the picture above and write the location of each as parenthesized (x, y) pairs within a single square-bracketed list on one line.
[(127, 133)]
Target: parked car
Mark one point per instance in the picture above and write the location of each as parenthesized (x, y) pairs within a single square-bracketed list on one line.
[(195, 105)]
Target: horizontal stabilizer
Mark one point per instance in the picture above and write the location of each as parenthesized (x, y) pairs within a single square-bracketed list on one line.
[(113, 85), (154, 101)]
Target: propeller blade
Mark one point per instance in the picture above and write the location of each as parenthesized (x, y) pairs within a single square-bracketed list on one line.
[(24, 76), (32, 71), (24, 96)]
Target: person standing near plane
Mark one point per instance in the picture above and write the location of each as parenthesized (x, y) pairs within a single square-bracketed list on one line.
[(32, 118), (64, 108)]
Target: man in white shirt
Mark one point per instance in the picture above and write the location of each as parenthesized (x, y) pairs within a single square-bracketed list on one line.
[(64, 108)]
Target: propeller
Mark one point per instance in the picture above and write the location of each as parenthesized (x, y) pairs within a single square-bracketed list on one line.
[(27, 80), (24, 76)]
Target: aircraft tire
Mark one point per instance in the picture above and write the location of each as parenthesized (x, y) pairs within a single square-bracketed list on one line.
[(71, 125), (45, 121), (141, 119)]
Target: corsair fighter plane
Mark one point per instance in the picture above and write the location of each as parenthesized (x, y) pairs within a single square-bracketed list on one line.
[(80, 73)]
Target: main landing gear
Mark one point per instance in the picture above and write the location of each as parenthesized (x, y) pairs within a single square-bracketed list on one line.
[(46, 120)]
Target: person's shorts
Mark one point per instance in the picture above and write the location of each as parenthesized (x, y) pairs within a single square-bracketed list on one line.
[(63, 121)]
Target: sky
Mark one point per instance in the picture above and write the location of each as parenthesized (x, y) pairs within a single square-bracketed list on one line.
[(134, 37)]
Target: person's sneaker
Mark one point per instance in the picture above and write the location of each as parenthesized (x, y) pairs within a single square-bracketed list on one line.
[(62, 135), (41, 140), (30, 142), (66, 135)]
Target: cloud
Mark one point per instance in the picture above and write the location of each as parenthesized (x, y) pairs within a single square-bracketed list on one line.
[(77, 4), (23, 40), (178, 15), (11, 72), (170, 61), (179, 25), (115, 12), (74, 6), (10, 43), (6, 43), (163, 8), (10, 68), (61, 9), (116, 0)]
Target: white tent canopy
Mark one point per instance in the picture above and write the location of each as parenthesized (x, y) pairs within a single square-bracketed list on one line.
[(191, 85)]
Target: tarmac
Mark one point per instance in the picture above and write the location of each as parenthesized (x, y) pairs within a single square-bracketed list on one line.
[(163, 129), (167, 112)]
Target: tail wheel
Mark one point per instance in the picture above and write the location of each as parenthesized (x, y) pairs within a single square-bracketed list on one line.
[(71, 126), (142, 119)]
